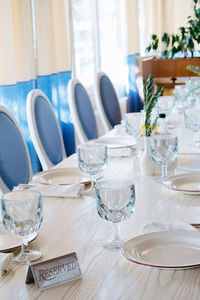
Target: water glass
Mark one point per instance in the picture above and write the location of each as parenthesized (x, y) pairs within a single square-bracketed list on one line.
[(22, 214), (163, 149), (115, 203), (92, 157), (192, 122), (165, 105), (133, 123), (180, 94)]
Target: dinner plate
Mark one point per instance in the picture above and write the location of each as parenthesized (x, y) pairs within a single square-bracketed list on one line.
[(187, 183), (61, 176), (189, 162), (9, 241), (165, 249), (116, 142)]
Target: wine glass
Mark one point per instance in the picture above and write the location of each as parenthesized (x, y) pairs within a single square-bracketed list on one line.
[(192, 122), (92, 157), (163, 149), (133, 125), (180, 93), (115, 202), (165, 105), (22, 214)]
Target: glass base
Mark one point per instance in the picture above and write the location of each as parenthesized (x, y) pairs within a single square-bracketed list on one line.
[(113, 244), (27, 257)]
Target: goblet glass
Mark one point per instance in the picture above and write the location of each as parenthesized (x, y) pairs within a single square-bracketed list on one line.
[(133, 124), (192, 122), (92, 157), (22, 214), (180, 93), (163, 149), (165, 105), (115, 202)]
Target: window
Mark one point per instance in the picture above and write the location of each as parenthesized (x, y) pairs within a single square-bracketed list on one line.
[(99, 41)]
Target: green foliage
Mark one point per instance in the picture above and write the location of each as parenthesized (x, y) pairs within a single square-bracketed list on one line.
[(184, 40), (194, 69), (151, 96)]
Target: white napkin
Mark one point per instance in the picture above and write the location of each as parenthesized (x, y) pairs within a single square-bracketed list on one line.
[(56, 190), (5, 262), (155, 226)]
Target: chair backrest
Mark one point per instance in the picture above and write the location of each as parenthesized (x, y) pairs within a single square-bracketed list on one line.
[(82, 112), (15, 164), (44, 129), (107, 102)]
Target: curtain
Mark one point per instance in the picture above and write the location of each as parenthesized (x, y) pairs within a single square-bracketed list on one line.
[(165, 16), (36, 57)]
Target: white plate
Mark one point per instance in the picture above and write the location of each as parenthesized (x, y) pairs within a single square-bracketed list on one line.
[(116, 142), (9, 241), (188, 183), (61, 176), (189, 162), (165, 250)]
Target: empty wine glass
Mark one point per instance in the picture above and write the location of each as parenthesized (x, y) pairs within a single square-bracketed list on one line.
[(92, 157), (163, 149), (133, 125), (165, 105), (192, 122), (22, 214), (115, 202), (180, 93)]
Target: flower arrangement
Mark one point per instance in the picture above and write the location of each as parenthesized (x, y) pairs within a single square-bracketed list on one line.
[(151, 95)]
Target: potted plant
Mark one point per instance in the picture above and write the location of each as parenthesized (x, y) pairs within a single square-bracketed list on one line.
[(182, 42)]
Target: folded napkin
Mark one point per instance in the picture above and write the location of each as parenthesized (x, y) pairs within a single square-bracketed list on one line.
[(55, 190), (155, 226), (5, 262)]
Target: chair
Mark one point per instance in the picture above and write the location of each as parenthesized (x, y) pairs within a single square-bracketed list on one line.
[(15, 163), (44, 129), (82, 112), (107, 102)]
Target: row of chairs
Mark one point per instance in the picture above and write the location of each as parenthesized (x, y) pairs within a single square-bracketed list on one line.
[(15, 163)]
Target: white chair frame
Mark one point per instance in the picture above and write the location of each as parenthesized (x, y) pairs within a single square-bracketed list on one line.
[(44, 160), (3, 186)]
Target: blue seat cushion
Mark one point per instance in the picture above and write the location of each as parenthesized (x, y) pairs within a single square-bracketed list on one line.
[(48, 130), (14, 164), (110, 101), (85, 112)]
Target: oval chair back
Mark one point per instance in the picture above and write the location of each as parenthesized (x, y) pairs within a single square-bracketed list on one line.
[(82, 111), (15, 163), (45, 130), (107, 102)]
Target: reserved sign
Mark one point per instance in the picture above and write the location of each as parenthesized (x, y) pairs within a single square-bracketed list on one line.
[(55, 271)]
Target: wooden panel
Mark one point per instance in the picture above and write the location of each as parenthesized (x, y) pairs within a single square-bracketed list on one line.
[(168, 67)]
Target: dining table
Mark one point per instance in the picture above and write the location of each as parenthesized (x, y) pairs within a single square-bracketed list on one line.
[(73, 225)]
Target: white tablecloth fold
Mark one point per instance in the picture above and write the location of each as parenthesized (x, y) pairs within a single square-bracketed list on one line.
[(5, 262), (56, 190), (155, 226)]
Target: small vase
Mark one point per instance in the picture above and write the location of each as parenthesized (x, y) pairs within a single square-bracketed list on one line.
[(147, 166)]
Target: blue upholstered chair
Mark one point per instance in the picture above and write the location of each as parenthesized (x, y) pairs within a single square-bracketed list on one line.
[(107, 102), (44, 129), (15, 164), (82, 112)]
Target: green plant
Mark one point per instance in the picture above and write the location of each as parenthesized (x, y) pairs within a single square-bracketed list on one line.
[(151, 95), (184, 41)]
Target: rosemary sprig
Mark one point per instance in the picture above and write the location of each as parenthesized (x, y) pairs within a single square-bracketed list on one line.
[(151, 96), (194, 69)]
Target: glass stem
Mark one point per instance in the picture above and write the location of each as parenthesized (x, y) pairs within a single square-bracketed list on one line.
[(164, 170), (24, 244), (93, 181), (116, 231)]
